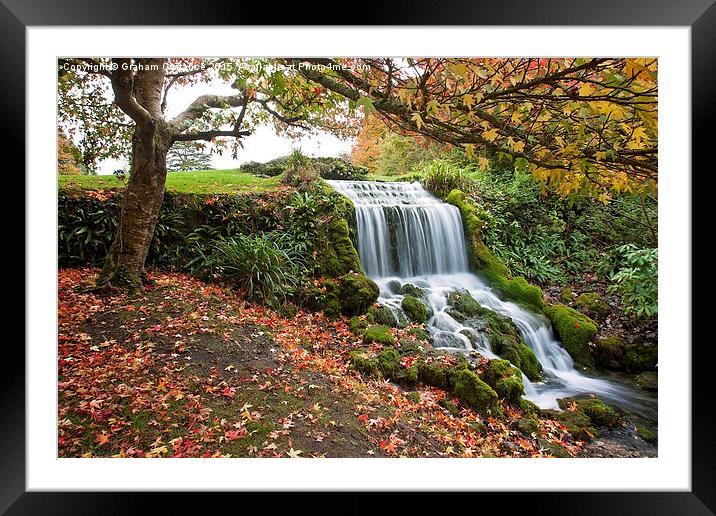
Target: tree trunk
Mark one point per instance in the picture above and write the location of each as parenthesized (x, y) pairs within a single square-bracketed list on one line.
[(124, 265)]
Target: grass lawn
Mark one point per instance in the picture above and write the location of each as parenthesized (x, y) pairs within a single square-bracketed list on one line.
[(197, 181)]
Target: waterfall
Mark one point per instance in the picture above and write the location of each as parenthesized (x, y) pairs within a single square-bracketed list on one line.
[(407, 235)]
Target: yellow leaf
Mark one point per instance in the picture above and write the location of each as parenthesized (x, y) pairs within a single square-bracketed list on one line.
[(418, 121), (483, 163), (519, 146), (490, 135), (469, 150)]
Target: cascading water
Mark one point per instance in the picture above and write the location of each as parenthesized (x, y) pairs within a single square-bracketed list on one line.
[(407, 235)]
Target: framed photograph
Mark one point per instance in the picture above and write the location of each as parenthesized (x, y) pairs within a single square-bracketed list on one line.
[(447, 252)]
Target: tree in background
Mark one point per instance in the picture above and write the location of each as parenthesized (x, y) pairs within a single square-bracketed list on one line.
[(265, 93), (68, 156), (366, 150), (584, 126), (188, 156)]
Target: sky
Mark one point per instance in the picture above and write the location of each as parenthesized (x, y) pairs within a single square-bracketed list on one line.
[(263, 145)]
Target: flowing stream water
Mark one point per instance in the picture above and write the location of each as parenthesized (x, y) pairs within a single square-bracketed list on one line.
[(407, 235)]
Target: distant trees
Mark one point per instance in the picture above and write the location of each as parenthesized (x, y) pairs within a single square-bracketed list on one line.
[(68, 156), (187, 156)]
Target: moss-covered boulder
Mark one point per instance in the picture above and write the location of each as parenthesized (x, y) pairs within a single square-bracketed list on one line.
[(575, 330), (566, 295), (383, 315), (608, 352), (640, 357), (408, 289), (518, 290), (433, 373), (357, 325), (647, 434), (449, 405), (419, 333), (577, 422), (351, 294), (528, 425), (465, 304), (388, 362), (648, 380), (340, 256), (379, 334), (592, 303), (415, 309), (505, 379), (361, 360), (474, 393), (410, 347), (599, 412)]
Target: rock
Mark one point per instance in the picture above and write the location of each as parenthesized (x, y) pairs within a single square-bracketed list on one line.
[(575, 331), (409, 289), (648, 380), (340, 256), (357, 325), (592, 303), (414, 309), (474, 393), (505, 379), (379, 334)]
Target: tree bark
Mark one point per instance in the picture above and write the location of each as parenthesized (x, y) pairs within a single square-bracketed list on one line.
[(140, 97)]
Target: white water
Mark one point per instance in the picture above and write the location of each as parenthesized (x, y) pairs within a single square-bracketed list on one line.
[(406, 235)]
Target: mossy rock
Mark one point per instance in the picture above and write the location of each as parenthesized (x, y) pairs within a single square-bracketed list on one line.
[(599, 412), (359, 358), (340, 256), (415, 309), (518, 290), (505, 379), (393, 286), (408, 289), (639, 357), (379, 334), (553, 449), (647, 434), (433, 374), (388, 362), (481, 259), (383, 315), (577, 422), (474, 393), (593, 303), (529, 407), (410, 347), (420, 334), (528, 425), (456, 314), (357, 293), (449, 405), (518, 353), (575, 330), (648, 381), (463, 302), (566, 295), (406, 376), (357, 325), (609, 351)]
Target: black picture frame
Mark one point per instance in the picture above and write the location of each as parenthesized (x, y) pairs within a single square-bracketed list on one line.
[(700, 15)]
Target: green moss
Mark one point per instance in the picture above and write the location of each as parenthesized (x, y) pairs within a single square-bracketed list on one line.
[(356, 293), (382, 315), (474, 393), (410, 347), (639, 357), (578, 424), (413, 396), (609, 351), (379, 334), (360, 360), (409, 289), (599, 412), (465, 304), (592, 303), (648, 380), (566, 295), (505, 379), (529, 407), (340, 256), (481, 259), (528, 425), (407, 376), (575, 331), (518, 290), (433, 374), (647, 434), (414, 309), (450, 406), (389, 362), (554, 449), (357, 325), (419, 333)]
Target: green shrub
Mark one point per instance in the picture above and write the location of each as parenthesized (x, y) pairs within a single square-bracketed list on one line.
[(637, 281), (443, 176), (254, 264)]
